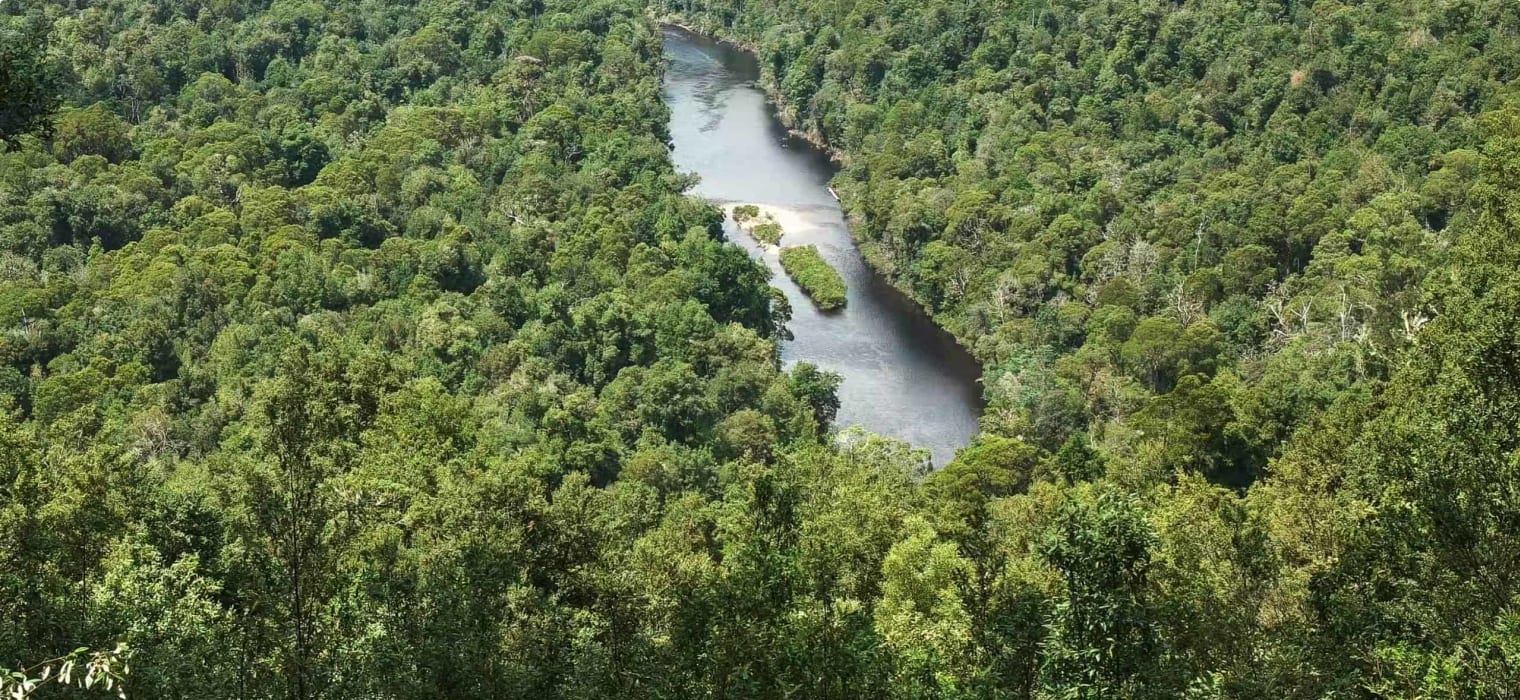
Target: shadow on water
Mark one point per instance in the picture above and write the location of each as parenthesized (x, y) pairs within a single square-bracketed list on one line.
[(903, 376)]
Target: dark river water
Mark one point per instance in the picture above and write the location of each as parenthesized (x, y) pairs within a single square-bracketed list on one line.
[(903, 376)]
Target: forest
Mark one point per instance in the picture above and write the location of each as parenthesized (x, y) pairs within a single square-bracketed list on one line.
[(367, 349)]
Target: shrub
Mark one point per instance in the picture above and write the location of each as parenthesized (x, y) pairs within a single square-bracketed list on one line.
[(768, 232)]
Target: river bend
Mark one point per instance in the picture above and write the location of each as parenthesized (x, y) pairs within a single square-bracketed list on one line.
[(903, 376)]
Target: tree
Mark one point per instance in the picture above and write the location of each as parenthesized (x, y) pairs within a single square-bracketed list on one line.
[(28, 81), (1187, 430), (1101, 642), (817, 389), (308, 417), (921, 619), (94, 130)]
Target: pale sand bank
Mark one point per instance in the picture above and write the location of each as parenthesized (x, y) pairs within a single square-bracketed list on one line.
[(791, 221)]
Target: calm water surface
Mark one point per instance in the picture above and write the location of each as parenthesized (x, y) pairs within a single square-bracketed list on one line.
[(903, 376)]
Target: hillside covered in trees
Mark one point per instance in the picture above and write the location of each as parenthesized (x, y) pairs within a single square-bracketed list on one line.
[(363, 349), (1103, 199)]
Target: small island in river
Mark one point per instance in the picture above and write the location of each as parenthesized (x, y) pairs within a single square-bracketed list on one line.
[(814, 275)]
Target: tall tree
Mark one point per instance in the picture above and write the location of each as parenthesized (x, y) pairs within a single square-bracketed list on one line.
[(28, 80)]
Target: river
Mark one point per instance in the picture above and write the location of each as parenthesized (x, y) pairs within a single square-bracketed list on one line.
[(903, 376)]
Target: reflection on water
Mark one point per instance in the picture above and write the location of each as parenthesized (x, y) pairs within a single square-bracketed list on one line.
[(903, 376)]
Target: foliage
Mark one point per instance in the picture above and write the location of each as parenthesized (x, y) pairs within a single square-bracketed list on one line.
[(814, 275), (356, 349), (28, 92), (768, 232), (82, 668), (349, 349)]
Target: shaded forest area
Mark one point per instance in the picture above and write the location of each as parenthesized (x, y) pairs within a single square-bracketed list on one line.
[(365, 349)]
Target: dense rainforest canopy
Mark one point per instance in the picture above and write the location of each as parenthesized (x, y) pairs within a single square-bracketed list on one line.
[(367, 349)]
